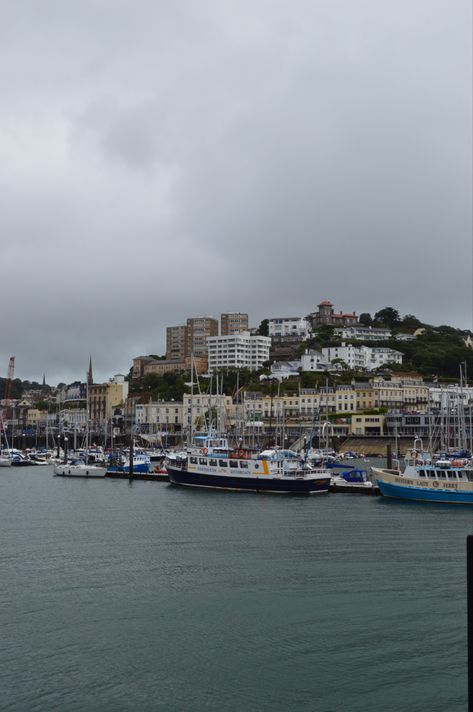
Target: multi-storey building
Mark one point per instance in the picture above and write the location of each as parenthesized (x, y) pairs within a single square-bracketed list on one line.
[(365, 396), (378, 356), (233, 323), (76, 391), (176, 343), (352, 356), (199, 329), (138, 366), (104, 397), (325, 315), (345, 399), (400, 392), (143, 365), (203, 408), (289, 326), (363, 333), (360, 358), (159, 367), (313, 360), (159, 417), (238, 351)]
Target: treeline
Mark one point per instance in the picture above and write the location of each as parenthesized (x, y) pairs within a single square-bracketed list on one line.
[(18, 387)]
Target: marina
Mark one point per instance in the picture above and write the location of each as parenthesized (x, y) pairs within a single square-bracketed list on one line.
[(130, 595)]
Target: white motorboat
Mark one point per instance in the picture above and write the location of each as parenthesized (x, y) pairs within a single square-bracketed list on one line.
[(78, 468)]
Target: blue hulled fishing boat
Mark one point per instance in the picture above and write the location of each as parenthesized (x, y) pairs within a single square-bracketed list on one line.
[(446, 481)]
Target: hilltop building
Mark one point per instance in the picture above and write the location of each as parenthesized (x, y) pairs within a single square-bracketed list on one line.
[(325, 315), (143, 365), (297, 327)]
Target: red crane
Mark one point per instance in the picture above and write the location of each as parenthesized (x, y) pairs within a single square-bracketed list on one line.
[(6, 400)]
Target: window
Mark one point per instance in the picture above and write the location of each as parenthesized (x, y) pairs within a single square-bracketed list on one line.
[(233, 463), (243, 465), (202, 461), (193, 460), (213, 463)]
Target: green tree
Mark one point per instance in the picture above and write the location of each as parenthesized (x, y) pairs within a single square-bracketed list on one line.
[(410, 321), (365, 319), (263, 328), (387, 317)]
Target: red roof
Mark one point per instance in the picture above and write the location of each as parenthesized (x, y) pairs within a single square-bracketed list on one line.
[(325, 303)]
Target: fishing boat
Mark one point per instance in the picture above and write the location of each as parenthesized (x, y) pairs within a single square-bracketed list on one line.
[(424, 479), (120, 463), (212, 463)]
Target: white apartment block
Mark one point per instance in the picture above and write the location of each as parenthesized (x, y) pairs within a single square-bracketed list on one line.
[(238, 351), (289, 326), (353, 356), (362, 358), (363, 333), (379, 356)]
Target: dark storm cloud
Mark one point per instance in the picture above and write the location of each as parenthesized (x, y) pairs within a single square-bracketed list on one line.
[(159, 161)]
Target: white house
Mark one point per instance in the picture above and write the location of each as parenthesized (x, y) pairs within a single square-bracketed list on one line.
[(363, 333), (284, 369), (380, 356), (362, 358), (312, 360), (353, 356), (289, 326)]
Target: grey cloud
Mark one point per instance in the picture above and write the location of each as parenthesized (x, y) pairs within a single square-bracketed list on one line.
[(165, 160)]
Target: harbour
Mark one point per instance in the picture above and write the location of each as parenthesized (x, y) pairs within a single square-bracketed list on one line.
[(129, 595)]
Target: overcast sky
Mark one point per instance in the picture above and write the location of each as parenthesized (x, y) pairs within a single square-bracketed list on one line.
[(160, 160)]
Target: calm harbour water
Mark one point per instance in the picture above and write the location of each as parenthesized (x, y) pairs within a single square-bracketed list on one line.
[(148, 597)]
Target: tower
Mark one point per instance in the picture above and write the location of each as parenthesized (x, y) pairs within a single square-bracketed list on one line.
[(90, 375)]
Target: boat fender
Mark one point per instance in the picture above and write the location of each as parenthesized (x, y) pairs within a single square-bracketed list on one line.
[(204, 451)]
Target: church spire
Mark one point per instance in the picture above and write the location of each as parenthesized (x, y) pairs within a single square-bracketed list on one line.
[(90, 375)]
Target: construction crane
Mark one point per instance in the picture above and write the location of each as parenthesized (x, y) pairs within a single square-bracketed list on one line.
[(7, 396)]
